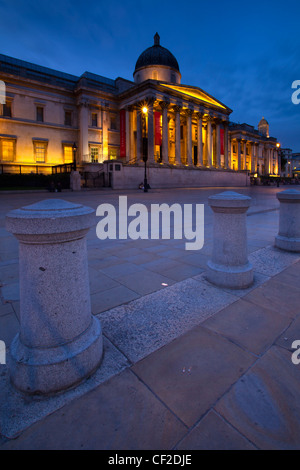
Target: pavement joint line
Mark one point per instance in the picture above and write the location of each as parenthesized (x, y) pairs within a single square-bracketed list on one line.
[(120, 351), (263, 211), (236, 429), (159, 399)]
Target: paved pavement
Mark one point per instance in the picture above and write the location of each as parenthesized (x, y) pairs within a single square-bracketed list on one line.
[(187, 365)]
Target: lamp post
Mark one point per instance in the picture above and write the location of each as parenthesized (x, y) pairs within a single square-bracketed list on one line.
[(74, 148), (145, 146)]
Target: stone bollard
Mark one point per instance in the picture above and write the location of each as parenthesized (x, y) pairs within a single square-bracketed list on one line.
[(60, 342), (288, 237), (229, 266), (75, 181)]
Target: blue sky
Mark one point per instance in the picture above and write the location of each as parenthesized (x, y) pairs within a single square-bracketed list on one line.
[(247, 54)]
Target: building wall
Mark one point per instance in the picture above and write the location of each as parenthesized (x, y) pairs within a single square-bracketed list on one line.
[(161, 177)]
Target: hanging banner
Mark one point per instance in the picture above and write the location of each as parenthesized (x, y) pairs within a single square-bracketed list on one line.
[(157, 128), (222, 141), (123, 133)]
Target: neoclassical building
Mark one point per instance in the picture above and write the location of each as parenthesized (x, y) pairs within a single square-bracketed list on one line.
[(254, 150), (46, 112)]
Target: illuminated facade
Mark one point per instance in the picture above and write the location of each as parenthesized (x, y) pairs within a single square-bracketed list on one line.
[(254, 150), (46, 112)]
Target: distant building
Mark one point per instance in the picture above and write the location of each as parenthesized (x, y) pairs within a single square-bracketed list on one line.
[(47, 111), (293, 165), (254, 150)]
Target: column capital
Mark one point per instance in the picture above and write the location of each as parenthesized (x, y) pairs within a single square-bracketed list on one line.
[(177, 108), (164, 104), (199, 114), (189, 111)]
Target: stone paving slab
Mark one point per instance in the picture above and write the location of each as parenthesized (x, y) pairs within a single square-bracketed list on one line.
[(264, 405), (17, 411), (248, 325), (271, 261), (150, 322), (214, 433), (192, 372), (275, 296), (122, 414)]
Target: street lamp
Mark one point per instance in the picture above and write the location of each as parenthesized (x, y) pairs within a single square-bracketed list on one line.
[(145, 146), (74, 148)]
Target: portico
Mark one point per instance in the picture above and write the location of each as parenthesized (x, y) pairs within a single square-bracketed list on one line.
[(179, 131)]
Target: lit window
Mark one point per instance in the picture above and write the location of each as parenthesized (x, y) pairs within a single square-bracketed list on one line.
[(94, 154), (40, 151), (7, 150), (68, 154), (155, 75), (39, 114), (68, 118), (94, 120)]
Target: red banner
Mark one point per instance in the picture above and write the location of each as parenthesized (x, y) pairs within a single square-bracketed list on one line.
[(222, 141), (157, 128), (122, 133)]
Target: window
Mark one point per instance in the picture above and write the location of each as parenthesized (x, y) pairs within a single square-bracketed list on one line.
[(68, 154), (94, 120), (173, 78), (94, 154), (40, 151), (181, 132), (113, 123), (6, 109), (68, 118), (40, 114), (234, 148), (155, 75), (8, 150)]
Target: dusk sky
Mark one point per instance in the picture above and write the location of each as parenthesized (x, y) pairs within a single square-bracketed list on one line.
[(245, 54)]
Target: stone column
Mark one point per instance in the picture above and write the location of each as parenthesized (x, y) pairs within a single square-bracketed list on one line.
[(165, 131), (60, 342), (139, 149), (226, 156), (105, 126), (288, 237), (229, 265), (132, 142), (128, 112), (200, 140), (150, 132), (239, 154), (177, 110), (84, 131), (209, 142), (245, 155), (252, 158), (218, 144), (189, 149)]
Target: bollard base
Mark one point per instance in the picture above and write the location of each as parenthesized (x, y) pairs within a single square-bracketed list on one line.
[(287, 244), (232, 277), (52, 370)]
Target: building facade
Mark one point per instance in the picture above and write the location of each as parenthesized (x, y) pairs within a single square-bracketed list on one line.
[(254, 150), (156, 117)]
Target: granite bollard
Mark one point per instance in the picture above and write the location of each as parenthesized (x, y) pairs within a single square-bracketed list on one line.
[(288, 237), (229, 265), (75, 181), (60, 342)]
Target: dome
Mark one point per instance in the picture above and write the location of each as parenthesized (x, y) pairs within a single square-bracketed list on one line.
[(263, 122), (156, 55), (263, 127)]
